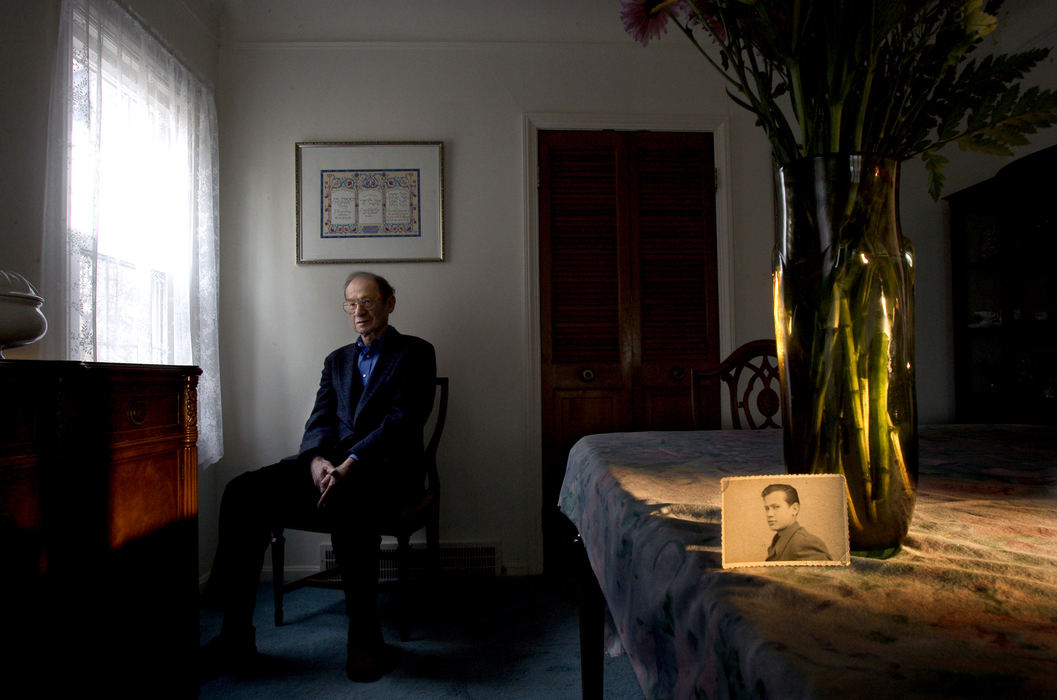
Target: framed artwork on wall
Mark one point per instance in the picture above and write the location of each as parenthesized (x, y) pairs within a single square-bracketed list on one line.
[(369, 202)]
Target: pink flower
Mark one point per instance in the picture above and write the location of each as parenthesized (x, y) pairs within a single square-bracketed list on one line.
[(715, 26), (647, 19), (703, 13)]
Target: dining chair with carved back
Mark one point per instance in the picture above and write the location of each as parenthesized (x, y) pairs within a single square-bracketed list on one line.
[(749, 376)]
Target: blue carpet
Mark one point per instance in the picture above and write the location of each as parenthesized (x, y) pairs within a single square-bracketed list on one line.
[(503, 637)]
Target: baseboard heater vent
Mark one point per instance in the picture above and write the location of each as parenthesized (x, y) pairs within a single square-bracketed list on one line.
[(457, 559)]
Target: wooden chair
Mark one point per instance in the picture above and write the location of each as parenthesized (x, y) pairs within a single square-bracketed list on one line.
[(750, 374), (424, 513)]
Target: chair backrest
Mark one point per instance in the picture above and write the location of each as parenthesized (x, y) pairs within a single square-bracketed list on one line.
[(750, 374), (437, 418)]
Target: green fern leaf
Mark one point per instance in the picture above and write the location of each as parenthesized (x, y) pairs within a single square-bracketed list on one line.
[(934, 163)]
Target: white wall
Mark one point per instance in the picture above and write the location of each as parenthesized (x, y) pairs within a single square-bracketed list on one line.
[(27, 49)]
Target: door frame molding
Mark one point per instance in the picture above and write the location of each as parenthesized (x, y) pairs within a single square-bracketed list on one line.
[(532, 123)]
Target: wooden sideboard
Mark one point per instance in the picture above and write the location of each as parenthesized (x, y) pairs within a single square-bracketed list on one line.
[(1005, 294), (98, 509)]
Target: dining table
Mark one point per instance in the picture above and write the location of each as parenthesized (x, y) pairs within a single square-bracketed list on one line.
[(967, 607)]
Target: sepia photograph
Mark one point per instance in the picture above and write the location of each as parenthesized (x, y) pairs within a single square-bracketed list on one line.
[(785, 520)]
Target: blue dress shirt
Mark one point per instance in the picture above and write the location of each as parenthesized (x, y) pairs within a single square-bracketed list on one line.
[(366, 360)]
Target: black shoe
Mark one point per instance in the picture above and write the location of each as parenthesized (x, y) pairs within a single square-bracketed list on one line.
[(367, 664), (227, 653)]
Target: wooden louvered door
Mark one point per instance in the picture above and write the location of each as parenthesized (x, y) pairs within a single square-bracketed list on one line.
[(628, 289), (673, 223)]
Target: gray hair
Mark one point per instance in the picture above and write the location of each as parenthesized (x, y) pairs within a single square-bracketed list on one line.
[(383, 285)]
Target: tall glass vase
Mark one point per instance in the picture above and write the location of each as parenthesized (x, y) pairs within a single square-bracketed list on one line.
[(844, 324)]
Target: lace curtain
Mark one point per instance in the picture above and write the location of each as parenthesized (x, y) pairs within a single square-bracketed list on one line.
[(131, 220)]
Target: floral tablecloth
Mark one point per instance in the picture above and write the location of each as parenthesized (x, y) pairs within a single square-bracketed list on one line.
[(967, 608)]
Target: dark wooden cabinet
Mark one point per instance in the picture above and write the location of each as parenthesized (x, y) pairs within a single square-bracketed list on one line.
[(98, 505), (1004, 245)]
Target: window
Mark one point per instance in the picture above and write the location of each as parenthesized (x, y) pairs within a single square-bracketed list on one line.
[(131, 231)]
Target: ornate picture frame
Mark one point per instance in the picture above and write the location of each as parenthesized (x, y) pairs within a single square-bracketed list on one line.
[(369, 201)]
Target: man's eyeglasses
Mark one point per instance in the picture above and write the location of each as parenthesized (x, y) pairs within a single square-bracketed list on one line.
[(365, 304)]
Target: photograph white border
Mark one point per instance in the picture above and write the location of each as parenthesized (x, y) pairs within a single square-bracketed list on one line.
[(823, 512)]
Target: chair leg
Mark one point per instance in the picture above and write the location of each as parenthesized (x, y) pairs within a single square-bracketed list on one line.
[(402, 555), (278, 556)]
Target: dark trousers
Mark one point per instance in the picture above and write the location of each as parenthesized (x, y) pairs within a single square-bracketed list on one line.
[(283, 494)]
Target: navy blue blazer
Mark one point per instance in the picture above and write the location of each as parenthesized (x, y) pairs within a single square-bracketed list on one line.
[(381, 423)]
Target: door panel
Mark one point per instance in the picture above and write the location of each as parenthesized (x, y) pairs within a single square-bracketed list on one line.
[(672, 229), (628, 288), (666, 407), (584, 413)]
